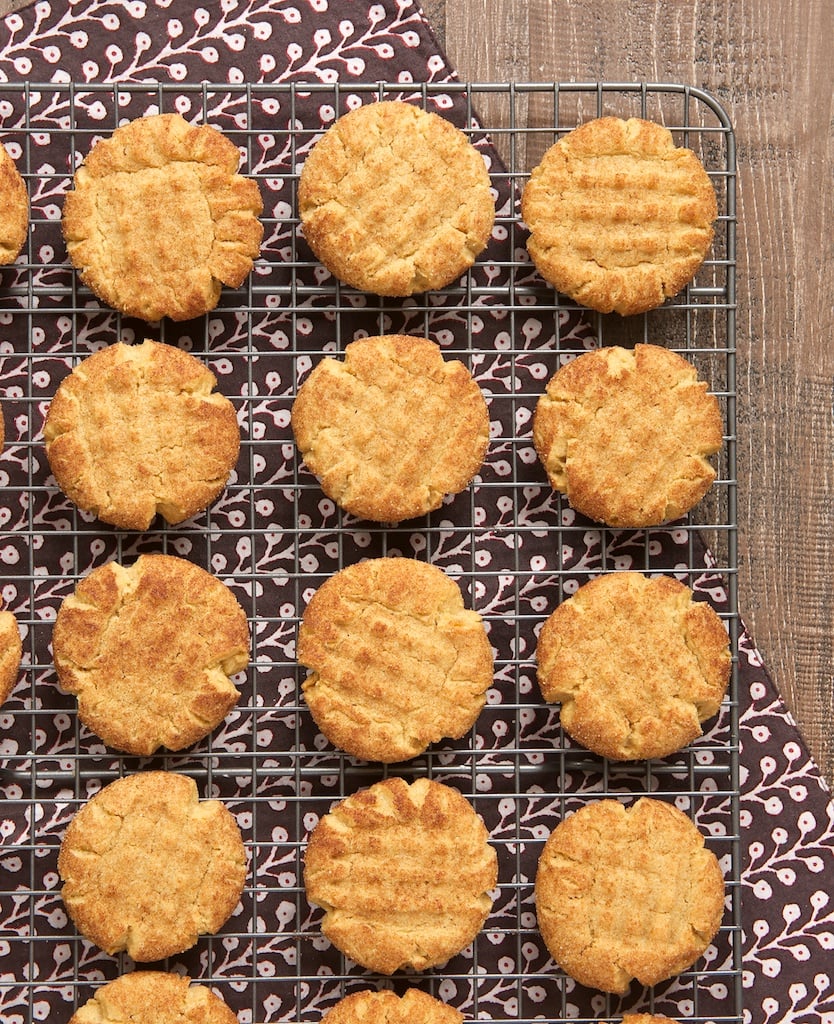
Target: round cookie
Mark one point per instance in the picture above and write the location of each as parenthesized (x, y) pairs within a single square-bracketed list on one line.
[(148, 868), (148, 651), (153, 997), (625, 893), (137, 430), (636, 663), (14, 210), (620, 218), (396, 661), (373, 1007), (159, 219), (391, 429), (11, 651), (403, 873), (625, 434), (394, 200)]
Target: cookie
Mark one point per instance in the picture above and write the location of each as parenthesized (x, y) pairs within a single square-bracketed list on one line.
[(636, 663), (620, 218), (153, 997), (137, 430), (396, 662), (646, 1018), (158, 219), (391, 429), (626, 435), (403, 873), (14, 210), (148, 651), (627, 893), (148, 868), (386, 1007), (394, 200), (11, 651)]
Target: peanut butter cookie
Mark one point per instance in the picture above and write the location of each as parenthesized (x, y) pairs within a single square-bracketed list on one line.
[(620, 218), (403, 873), (158, 219), (137, 430), (637, 664), (14, 209), (625, 893), (153, 997), (396, 661), (385, 1007), (148, 868), (626, 434), (393, 428), (148, 651), (394, 200), (11, 651)]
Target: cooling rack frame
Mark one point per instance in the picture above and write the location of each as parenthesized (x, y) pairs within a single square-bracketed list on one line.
[(514, 547)]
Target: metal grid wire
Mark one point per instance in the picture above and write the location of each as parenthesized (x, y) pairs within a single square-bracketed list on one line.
[(514, 546)]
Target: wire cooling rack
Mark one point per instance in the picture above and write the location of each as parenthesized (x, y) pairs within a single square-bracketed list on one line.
[(515, 547)]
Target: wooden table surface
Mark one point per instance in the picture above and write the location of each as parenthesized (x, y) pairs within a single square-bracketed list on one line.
[(768, 62)]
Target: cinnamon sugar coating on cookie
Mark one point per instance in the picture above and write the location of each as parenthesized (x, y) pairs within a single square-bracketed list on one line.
[(391, 429), (627, 893), (386, 1007), (153, 997), (636, 663), (626, 435), (137, 430), (394, 200), (159, 219), (620, 218), (148, 651), (11, 651), (147, 867), (396, 661), (403, 873), (14, 209)]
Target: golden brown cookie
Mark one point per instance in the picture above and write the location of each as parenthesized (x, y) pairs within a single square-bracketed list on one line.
[(153, 997), (159, 219), (625, 434), (396, 661), (148, 868), (385, 1007), (394, 200), (11, 651), (625, 893), (14, 209), (148, 651), (637, 664), (403, 873), (391, 429), (620, 218), (137, 430), (646, 1018)]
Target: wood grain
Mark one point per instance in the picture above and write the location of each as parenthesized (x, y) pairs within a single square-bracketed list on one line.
[(768, 64)]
